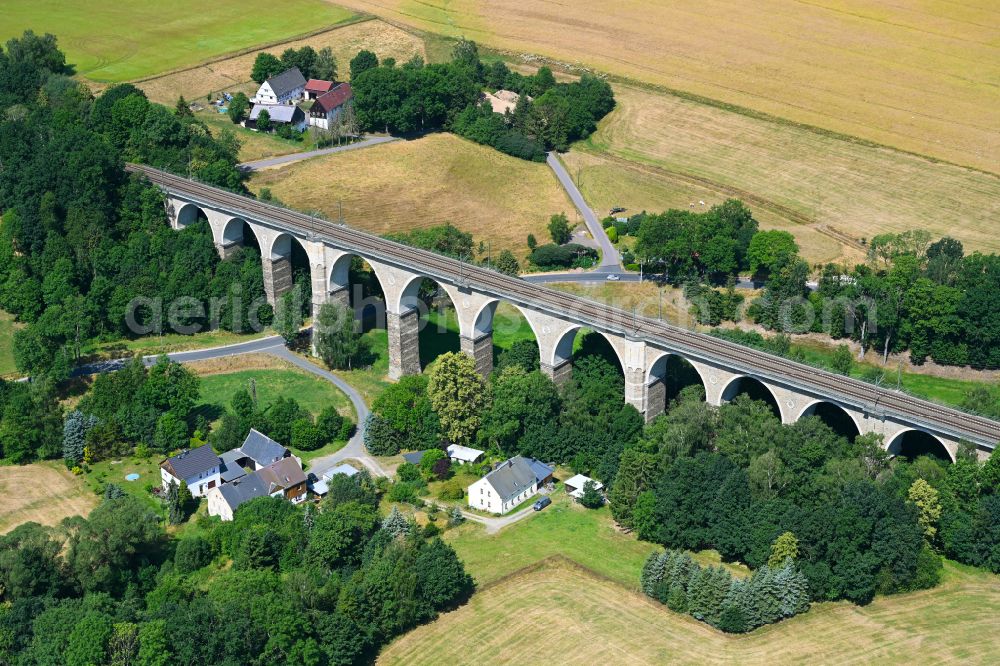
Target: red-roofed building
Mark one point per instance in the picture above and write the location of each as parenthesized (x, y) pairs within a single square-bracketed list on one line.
[(316, 87), (330, 105)]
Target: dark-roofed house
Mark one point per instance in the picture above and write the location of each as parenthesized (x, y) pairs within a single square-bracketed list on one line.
[(510, 483), (282, 88), (232, 468), (258, 450), (316, 87), (283, 478), (414, 457), (199, 468), (330, 105), (280, 114)]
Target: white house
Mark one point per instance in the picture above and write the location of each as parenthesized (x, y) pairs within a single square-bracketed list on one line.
[(463, 454), (284, 88), (512, 482), (200, 468), (574, 485), (330, 105)]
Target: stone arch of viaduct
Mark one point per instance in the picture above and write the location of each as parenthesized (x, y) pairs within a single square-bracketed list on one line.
[(643, 363)]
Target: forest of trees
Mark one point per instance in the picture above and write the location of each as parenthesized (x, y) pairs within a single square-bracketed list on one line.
[(281, 584), (415, 97), (80, 238)]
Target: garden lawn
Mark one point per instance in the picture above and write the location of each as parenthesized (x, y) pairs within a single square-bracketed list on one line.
[(121, 40), (7, 328), (114, 471)]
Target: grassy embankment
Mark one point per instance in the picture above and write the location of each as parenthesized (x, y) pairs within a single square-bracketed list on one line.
[(406, 185), (131, 39)]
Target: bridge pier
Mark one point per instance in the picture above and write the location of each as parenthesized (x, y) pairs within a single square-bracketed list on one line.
[(656, 399), (559, 373), (481, 351), (404, 343), (227, 249), (277, 278)]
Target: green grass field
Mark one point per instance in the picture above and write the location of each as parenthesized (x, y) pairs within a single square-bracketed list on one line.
[(312, 393), (122, 40), (7, 328)]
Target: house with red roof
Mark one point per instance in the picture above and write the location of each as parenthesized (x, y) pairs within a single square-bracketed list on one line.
[(328, 106), (316, 87)]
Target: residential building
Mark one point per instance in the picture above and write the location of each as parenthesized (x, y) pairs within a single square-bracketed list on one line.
[(283, 478), (574, 485), (330, 105), (258, 450), (199, 468), (464, 454), (284, 88), (501, 101), (510, 483), (316, 87), (279, 114)]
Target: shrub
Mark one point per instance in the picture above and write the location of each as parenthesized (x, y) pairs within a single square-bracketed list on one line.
[(441, 469), (431, 530), (408, 472), (330, 424), (612, 234), (402, 492), (305, 435), (192, 554), (451, 490), (591, 497)]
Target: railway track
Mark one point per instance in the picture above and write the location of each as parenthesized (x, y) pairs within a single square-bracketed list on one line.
[(866, 397)]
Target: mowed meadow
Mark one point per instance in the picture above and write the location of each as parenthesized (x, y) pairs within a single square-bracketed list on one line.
[(582, 618), (405, 185), (121, 40), (917, 76), (228, 73), (656, 151)]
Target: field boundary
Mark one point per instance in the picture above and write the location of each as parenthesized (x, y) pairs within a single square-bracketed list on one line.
[(577, 70), (772, 206), (359, 17)]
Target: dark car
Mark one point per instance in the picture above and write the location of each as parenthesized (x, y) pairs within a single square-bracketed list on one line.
[(541, 504)]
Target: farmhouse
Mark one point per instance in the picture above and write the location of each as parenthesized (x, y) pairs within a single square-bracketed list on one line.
[(259, 450), (574, 485), (282, 88), (328, 106), (279, 114), (283, 478), (316, 87), (463, 454), (199, 468), (510, 483)]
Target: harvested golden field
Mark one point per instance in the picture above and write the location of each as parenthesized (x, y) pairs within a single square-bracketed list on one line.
[(43, 492), (793, 178), (405, 185), (921, 76), (197, 82), (581, 618)]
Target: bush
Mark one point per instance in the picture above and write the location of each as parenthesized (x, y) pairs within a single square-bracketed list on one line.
[(305, 435), (408, 472), (612, 234), (591, 497), (402, 492), (192, 554), (551, 255), (441, 469), (632, 267), (451, 490), (330, 425), (380, 438), (431, 530)]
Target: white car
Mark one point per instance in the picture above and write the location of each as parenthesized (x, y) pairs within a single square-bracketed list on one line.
[(613, 278)]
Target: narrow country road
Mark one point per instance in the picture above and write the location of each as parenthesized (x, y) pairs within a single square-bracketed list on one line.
[(494, 525), (296, 157), (609, 255)]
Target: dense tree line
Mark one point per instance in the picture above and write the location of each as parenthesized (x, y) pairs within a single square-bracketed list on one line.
[(417, 97), (912, 294), (284, 421), (734, 479), (312, 63), (716, 597), (583, 423), (279, 584), (81, 238)]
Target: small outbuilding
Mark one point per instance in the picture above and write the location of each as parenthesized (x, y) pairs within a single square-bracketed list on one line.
[(316, 87), (464, 454), (574, 485), (280, 114)]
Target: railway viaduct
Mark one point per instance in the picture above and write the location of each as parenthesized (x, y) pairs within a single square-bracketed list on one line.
[(643, 346)]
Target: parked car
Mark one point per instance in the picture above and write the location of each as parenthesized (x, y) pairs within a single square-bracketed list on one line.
[(541, 504), (617, 209), (613, 277)]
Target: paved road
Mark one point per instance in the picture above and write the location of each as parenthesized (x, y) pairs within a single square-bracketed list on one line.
[(609, 255), (494, 525), (251, 347), (295, 157)]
